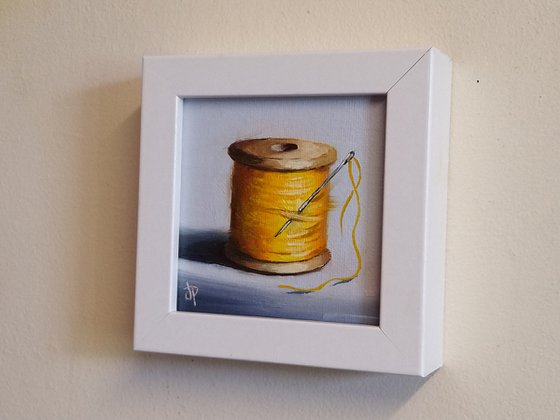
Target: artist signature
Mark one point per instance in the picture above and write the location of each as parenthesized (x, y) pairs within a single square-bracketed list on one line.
[(190, 292)]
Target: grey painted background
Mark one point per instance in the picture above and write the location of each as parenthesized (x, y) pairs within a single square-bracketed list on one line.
[(346, 123)]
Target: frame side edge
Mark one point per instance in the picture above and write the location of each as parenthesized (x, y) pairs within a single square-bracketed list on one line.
[(436, 211)]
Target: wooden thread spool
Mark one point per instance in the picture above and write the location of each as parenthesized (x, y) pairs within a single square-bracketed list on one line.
[(270, 180)]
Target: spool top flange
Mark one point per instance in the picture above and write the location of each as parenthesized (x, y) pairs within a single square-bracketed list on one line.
[(282, 154)]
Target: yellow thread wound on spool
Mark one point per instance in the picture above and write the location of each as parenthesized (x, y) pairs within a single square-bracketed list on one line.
[(270, 180), (263, 200)]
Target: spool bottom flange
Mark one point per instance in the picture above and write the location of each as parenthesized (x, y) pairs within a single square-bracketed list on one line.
[(268, 267)]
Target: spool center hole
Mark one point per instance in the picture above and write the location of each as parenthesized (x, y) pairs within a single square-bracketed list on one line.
[(283, 147)]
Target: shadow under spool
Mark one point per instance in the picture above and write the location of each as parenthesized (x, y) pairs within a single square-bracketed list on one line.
[(255, 161)]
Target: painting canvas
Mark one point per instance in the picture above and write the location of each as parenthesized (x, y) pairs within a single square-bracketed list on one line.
[(281, 207)]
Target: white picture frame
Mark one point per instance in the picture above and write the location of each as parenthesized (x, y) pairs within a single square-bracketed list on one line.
[(408, 340)]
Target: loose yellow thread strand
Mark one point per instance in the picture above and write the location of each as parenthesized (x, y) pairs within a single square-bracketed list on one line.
[(353, 193), (349, 198)]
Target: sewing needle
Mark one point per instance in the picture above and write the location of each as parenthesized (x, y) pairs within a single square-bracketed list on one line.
[(347, 159)]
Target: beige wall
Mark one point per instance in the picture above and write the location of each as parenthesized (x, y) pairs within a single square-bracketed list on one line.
[(69, 136)]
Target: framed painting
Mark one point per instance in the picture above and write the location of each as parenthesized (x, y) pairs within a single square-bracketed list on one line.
[(292, 208)]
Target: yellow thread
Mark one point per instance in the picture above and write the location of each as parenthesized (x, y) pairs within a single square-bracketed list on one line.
[(350, 175), (353, 193), (261, 203)]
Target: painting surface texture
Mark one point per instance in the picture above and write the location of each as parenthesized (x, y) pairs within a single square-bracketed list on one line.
[(281, 207)]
